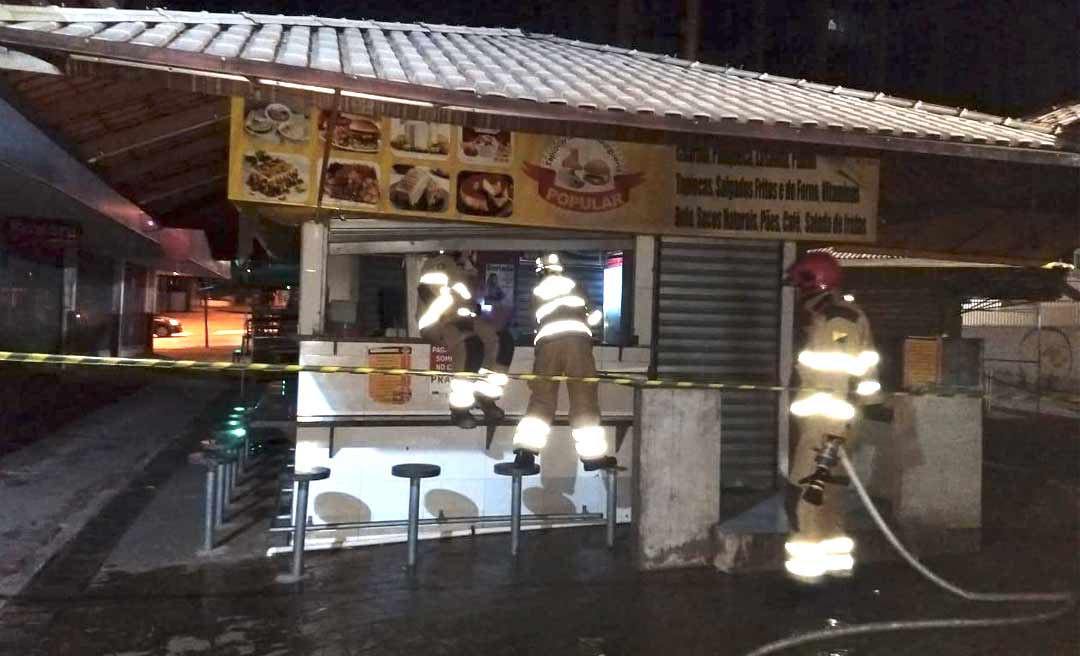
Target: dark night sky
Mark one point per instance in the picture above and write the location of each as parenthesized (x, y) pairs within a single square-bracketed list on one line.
[(1008, 56)]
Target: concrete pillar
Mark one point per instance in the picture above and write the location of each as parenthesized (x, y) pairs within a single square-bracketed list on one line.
[(68, 322), (644, 272), (786, 365), (940, 449), (118, 303), (677, 477), (313, 250), (412, 275)]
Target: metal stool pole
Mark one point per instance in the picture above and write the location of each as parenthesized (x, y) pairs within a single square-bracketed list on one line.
[(414, 518), (299, 529), (302, 479), (414, 471), (210, 509), (515, 473), (219, 497), (612, 500), (515, 513)]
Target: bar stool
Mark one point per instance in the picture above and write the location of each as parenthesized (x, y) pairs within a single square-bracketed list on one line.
[(414, 471), (516, 473), (303, 480), (223, 459), (212, 502), (612, 473)]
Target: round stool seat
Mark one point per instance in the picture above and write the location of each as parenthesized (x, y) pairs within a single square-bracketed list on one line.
[(510, 469), (415, 470), (221, 456), (313, 474)]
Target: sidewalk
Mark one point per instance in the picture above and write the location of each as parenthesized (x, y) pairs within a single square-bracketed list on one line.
[(131, 585), (50, 489)]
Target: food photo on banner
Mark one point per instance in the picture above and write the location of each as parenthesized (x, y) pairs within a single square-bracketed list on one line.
[(381, 165)]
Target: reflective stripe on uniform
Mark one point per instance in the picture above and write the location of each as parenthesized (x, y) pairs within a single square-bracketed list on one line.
[(559, 327), (486, 389), (569, 301), (435, 278), (823, 404), (590, 441), (808, 559), (839, 362), (462, 393), (868, 387), (461, 290), (553, 287), (531, 433), (441, 304)]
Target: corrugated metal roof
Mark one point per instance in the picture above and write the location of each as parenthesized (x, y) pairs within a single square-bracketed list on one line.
[(511, 64)]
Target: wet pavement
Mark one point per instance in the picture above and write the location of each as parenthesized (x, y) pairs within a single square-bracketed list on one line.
[(566, 594)]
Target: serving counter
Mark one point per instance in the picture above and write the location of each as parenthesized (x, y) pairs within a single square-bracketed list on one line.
[(360, 426)]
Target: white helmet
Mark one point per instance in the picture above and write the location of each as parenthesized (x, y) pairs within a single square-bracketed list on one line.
[(549, 263)]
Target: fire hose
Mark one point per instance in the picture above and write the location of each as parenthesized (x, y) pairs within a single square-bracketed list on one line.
[(1065, 599)]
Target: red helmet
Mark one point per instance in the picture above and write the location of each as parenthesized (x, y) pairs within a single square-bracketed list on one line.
[(815, 272)]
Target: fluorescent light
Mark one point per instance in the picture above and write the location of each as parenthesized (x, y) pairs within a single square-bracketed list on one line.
[(849, 298), (158, 67), (294, 85), (388, 99)]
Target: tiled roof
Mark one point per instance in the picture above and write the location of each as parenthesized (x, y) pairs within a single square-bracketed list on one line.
[(1063, 116), (511, 64)]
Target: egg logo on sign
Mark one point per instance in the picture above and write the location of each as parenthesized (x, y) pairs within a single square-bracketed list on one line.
[(583, 175)]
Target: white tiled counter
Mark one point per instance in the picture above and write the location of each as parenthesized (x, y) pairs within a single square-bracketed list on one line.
[(360, 487)]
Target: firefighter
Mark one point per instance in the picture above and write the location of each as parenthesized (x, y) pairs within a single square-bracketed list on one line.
[(564, 346), (837, 366), (447, 317)]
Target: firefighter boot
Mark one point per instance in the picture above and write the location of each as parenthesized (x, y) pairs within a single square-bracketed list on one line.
[(524, 458), (603, 462), (462, 418), (491, 411)]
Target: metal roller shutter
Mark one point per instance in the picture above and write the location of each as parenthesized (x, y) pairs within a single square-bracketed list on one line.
[(719, 319)]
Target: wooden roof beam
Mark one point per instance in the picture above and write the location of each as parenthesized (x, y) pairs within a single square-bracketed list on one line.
[(183, 182), (129, 170), (216, 110)]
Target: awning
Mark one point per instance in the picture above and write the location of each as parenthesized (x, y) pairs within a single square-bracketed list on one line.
[(39, 179)]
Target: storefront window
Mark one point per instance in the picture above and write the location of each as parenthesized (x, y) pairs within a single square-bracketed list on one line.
[(368, 295)]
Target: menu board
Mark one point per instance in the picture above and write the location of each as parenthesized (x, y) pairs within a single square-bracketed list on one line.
[(390, 389), (922, 362), (382, 165)]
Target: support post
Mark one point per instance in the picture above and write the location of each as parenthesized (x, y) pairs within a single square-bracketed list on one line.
[(414, 519), (313, 251), (515, 513), (219, 516), (299, 531), (786, 364), (612, 504), (210, 509), (674, 515)]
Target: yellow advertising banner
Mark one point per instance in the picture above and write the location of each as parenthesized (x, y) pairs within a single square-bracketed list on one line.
[(380, 165)]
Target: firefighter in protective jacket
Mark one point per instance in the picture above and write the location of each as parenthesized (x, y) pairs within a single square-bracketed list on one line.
[(447, 317), (837, 367), (564, 346)]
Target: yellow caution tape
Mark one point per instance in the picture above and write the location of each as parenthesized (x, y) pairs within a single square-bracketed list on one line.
[(263, 367)]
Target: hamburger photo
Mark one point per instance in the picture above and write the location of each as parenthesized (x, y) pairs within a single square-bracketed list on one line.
[(597, 172)]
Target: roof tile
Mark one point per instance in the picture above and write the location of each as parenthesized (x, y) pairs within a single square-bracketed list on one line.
[(514, 64)]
